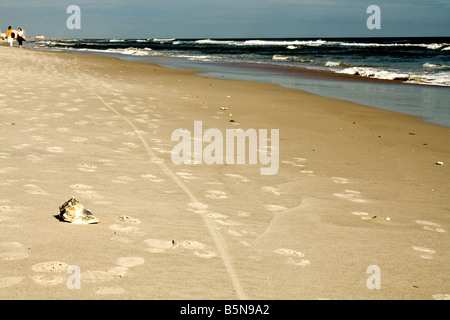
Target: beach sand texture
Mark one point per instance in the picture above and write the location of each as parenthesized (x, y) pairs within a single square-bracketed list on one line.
[(357, 187)]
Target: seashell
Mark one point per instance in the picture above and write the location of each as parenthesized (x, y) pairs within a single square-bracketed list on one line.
[(74, 211)]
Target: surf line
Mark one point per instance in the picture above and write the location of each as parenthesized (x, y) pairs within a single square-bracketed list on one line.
[(215, 236)]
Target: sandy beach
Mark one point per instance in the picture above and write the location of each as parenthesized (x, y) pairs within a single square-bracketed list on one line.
[(358, 189)]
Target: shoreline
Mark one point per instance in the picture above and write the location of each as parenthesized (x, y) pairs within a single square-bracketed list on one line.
[(321, 82), (99, 128), (303, 71)]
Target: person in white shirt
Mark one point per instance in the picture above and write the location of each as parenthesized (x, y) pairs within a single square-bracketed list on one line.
[(20, 37)]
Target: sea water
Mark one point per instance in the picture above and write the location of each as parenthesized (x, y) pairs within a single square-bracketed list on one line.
[(422, 65)]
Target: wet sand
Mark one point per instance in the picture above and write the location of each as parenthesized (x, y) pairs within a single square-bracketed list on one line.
[(356, 188)]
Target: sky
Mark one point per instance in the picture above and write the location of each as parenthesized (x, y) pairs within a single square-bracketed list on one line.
[(227, 18)]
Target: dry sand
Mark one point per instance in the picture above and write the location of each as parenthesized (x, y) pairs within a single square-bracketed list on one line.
[(99, 129)]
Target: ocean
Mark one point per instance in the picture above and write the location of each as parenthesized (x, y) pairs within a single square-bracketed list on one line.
[(421, 64)]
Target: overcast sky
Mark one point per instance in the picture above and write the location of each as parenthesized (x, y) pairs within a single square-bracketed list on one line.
[(227, 18)]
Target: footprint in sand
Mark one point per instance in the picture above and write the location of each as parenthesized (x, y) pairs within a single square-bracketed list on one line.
[(128, 219), (275, 208), (427, 253), (8, 169), (106, 162), (161, 150), (130, 109), (38, 138), (294, 257), (234, 233), (104, 139), (151, 178), (339, 180), (32, 189), (191, 244), (129, 230), (215, 194), (130, 144), (237, 178), (79, 139), (49, 273), (297, 163), (273, 190), (10, 281), (55, 149), (122, 150), (308, 172), (205, 254), (86, 190), (198, 248), (81, 122), (431, 226), (217, 216), (109, 123), (160, 246), (86, 167), (10, 251), (123, 180), (354, 196), (22, 146), (186, 175), (156, 160), (120, 271), (125, 231), (363, 215), (152, 126), (198, 207), (243, 214), (226, 222), (34, 158), (130, 262)]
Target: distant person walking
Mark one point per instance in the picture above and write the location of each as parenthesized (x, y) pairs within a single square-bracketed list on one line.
[(20, 37), (10, 35)]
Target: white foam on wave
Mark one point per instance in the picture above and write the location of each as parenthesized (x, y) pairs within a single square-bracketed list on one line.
[(294, 44), (435, 66), (196, 58), (163, 40), (438, 79), (131, 51), (211, 41), (283, 43), (332, 64), (286, 43), (375, 73), (280, 57)]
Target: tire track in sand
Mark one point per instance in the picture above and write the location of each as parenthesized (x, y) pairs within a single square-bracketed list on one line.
[(214, 235)]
